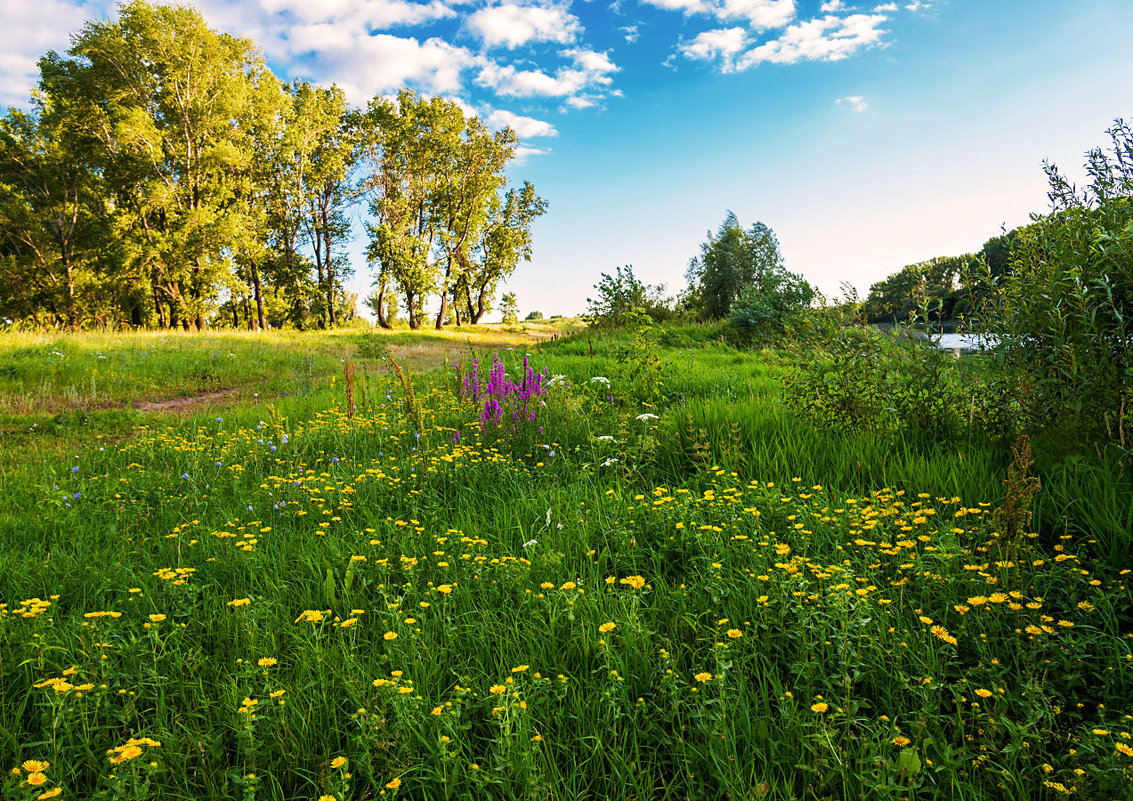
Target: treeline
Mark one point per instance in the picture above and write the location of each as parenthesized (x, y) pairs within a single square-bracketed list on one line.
[(164, 177), (943, 289)]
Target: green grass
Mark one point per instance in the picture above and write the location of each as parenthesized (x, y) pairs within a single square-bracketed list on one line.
[(797, 613)]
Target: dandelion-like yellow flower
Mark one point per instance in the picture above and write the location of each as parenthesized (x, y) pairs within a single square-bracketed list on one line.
[(982, 693), (404, 690), (390, 635), (268, 661), (54, 792), (519, 668), (36, 779), (901, 741), (569, 585), (337, 762), (350, 621), (393, 784), (735, 634), (497, 689), (606, 628), (702, 677), (36, 765), (157, 618), (637, 582), (327, 797), (1122, 748), (311, 616), (240, 602), (819, 707), (445, 589)]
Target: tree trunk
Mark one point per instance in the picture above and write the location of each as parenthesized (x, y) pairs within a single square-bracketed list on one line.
[(258, 291), (381, 304), (411, 307), (332, 315)]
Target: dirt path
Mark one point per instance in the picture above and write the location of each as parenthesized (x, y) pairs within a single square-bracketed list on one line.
[(186, 403)]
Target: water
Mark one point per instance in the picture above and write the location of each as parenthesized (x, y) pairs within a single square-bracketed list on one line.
[(963, 343)]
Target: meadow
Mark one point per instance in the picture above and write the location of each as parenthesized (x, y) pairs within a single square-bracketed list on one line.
[(497, 572)]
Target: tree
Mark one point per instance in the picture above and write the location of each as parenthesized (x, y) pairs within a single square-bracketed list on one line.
[(1063, 312), (509, 309), (434, 179), (622, 296), (164, 100), (732, 260), (53, 224)]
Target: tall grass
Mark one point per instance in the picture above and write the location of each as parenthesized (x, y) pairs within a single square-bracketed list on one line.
[(700, 598)]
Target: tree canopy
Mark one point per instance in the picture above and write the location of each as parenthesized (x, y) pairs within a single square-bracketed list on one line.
[(164, 177)]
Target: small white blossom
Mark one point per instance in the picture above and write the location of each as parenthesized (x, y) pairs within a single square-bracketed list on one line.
[(609, 462), (601, 379), (605, 438), (529, 543), (648, 416)]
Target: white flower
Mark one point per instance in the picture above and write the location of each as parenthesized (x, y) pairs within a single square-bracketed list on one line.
[(610, 461), (648, 416), (529, 543), (600, 379), (605, 438), (556, 380)]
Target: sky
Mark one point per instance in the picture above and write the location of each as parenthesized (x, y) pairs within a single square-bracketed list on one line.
[(868, 136)]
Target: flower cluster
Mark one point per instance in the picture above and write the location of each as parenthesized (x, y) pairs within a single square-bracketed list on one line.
[(500, 395)]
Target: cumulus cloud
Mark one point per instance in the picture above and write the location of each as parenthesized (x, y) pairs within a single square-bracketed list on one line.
[(828, 38), (855, 102), (831, 6), (525, 127), (630, 32), (885, 7), (759, 14), (721, 44), (589, 70), (28, 29), (510, 25)]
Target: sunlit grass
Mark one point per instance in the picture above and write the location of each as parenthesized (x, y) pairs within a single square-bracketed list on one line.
[(699, 598)]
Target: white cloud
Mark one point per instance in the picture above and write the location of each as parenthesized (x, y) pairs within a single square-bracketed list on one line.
[(759, 14), (510, 25), (855, 102), (367, 65), (28, 29), (831, 6), (525, 127), (590, 70), (721, 44), (885, 7), (524, 154), (631, 33), (821, 39), (378, 14)]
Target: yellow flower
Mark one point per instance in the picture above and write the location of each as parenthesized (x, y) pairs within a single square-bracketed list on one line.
[(445, 589), (36, 779), (497, 689), (606, 628), (637, 582), (1122, 748), (819, 707), (327, 797), (157, 618), (705, 676), (350, 621), (901, 740), (735, 634), (438, 711), (311, 616), (567, 586), (36, 765), (268, 661), (393, 784), (982, 693), (276, 694), (338, 762), (519, 668), (125, 754), (240, 602), (390, 635), (54, 792), (404, 690)]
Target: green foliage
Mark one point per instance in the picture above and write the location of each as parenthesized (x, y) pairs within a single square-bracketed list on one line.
[(767, 311), (737, 263), (1064, 313), (509, 309), (534, 316), (900, 384), (935, 283), (621, 296)]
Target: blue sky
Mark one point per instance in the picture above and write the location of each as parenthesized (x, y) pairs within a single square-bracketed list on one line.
[(866, 135)]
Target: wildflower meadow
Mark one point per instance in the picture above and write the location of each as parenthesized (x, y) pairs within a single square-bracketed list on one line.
[(512, 576)]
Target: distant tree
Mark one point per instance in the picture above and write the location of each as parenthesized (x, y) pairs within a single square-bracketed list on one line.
[(534, 316), (509, 308), (734, 260)]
